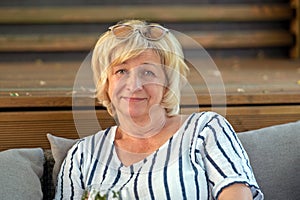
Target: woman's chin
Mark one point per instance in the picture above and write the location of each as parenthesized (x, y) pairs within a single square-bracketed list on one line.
[(136, 113), (138, 116)]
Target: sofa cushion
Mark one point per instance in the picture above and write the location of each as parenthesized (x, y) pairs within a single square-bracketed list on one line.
[(21, 170), (59, 147), (274, 156)]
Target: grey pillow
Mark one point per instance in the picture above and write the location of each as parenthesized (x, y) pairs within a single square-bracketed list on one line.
[(21, 170), (59, 147), (275, 159)]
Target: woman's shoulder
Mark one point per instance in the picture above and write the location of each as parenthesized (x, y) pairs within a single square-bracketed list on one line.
[(213, 124), (203, 117), (207, 122)]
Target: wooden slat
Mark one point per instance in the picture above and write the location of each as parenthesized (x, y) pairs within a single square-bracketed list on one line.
[(254, 117), (22, 102), (294, 3), (46, 42), (85, 42), (295, 29), (169, 13), (242, 39), (246, 81), (29, 129), (38, 76)]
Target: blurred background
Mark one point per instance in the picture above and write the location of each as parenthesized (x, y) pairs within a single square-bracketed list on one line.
[(255, 45)]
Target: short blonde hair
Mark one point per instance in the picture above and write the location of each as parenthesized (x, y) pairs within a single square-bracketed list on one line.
[(110, 51)]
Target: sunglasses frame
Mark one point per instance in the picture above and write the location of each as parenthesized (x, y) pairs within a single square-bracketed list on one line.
[(139, 29)]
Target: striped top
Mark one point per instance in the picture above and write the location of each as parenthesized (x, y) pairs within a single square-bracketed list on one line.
[(197, 162)]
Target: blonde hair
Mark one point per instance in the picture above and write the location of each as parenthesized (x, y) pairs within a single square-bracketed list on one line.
[(110, 51)]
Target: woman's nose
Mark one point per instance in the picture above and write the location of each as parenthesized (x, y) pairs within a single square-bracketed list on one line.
[(134, 81)]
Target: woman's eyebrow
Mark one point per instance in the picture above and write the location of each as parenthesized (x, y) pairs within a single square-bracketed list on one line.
[(118, 65), (151, 63)]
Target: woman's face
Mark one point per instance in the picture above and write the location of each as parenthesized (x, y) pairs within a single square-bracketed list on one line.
[(137, 85)]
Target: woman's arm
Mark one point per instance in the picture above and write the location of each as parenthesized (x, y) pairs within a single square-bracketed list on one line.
[(236, 191), (226, 161)]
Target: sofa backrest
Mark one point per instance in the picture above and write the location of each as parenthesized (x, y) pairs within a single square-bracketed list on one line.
[(275, 159), (274, 156)]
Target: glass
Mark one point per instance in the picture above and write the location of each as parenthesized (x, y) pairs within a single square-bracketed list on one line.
[(150, 32), (103, 192)]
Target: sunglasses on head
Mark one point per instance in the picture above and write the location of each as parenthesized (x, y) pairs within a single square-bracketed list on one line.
[(151, 32)]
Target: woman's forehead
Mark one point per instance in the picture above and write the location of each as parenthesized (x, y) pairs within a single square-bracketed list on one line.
[(146, 56)]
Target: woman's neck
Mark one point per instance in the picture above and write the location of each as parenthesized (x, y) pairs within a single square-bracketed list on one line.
[(132, 149), (143, 127)]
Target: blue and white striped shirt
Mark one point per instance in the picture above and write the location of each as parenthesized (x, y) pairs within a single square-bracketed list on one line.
[(197, 162)]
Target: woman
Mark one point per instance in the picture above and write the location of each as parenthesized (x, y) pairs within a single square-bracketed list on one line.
[(153, 152)]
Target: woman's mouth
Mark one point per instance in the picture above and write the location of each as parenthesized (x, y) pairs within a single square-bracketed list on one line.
[(134, 99)]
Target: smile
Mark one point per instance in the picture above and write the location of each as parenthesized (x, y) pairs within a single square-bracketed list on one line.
[(134, 99)]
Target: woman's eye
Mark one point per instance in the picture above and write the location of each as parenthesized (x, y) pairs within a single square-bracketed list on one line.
[(149, 73), (120, 71)]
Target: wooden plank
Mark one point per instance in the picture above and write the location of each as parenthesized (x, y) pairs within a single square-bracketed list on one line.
[(47, 42), (254, 117), (37, 84), (242, 39), (38, 76), (166, 13), (249, 78), (85, 42), (294, 3), (29, 129), (295, 28), (200, 99), (246, 81)]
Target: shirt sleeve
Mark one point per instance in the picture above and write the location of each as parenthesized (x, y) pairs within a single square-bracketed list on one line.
[(223, 156), (70, 180)]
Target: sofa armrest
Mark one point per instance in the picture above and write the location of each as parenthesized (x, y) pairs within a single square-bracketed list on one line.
[(274, 156)]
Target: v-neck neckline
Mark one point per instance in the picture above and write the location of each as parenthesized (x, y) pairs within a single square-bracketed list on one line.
[(141, 162)]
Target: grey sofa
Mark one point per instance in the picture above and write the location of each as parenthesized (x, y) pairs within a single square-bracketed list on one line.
[(273, 153)]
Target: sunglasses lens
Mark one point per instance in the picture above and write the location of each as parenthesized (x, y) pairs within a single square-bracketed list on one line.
[(153, 32), (150, 32), (122, 31)]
